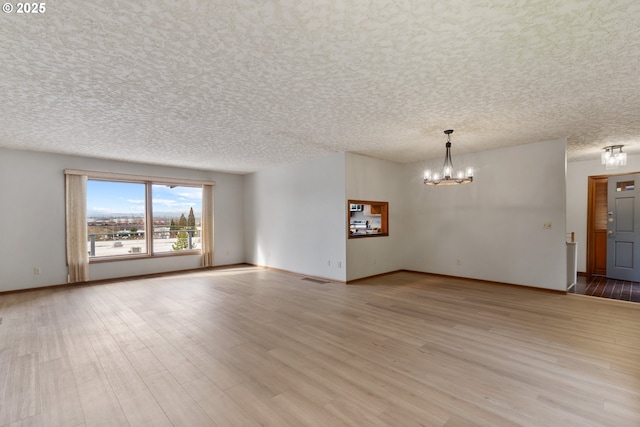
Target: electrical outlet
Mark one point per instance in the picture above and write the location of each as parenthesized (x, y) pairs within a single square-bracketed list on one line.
[(36, 271), (547, 225), (328, 263), (374, 260), (339, 264), (458, 262)]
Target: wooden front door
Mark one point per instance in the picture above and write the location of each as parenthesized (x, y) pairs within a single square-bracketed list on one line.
[(597, 226)]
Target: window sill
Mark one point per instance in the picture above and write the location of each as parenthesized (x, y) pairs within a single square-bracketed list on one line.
[(361, 236), (117, 258)]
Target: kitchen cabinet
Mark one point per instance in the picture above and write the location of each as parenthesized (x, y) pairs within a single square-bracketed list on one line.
[(372, 210)]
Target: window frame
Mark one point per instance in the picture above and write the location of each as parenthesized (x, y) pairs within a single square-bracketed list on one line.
[(383, 214), (149, 182), (147, 213), (149, 220)]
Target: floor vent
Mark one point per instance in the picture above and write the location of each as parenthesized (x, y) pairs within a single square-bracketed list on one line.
[(309, 279)]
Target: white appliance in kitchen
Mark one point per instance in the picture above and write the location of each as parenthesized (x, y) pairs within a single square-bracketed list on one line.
[(358, 226)]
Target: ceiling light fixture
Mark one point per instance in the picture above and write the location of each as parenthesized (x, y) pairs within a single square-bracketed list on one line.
[(447, 177), (614, 157)]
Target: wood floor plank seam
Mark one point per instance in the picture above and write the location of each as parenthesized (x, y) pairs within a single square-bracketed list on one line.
[(111, 383)]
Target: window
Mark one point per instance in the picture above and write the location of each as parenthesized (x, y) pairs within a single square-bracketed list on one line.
[(367, 219), (116, 218), (177, 214), (133, 218), (625, 186)]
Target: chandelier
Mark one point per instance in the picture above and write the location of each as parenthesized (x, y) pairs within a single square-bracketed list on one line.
[(447, 176), (614, 157)]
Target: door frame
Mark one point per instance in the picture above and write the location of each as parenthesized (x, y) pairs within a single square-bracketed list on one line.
[(591, 203), (591, 207)]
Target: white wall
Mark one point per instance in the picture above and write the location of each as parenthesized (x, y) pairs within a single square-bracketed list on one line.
[(33, 224), (494, 226), (379, 181), (577, 197), (295, 217)]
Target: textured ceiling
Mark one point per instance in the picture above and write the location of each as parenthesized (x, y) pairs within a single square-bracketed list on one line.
[(244, 85)]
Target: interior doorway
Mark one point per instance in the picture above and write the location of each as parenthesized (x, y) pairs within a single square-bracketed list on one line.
[(597, 226), (606, 224), (596, 283)]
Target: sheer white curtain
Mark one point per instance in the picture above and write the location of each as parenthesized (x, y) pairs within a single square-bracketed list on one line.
[(207, 225), (76, 217)]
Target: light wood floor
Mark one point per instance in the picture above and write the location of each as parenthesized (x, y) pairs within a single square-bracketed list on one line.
[(248, 346)]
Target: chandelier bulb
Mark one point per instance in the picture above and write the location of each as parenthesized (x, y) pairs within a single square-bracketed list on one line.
[(613, 156)]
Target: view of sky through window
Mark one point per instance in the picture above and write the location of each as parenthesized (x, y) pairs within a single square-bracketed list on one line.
[(114, 198), (168, 201), (117, 218), (106, 198)]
